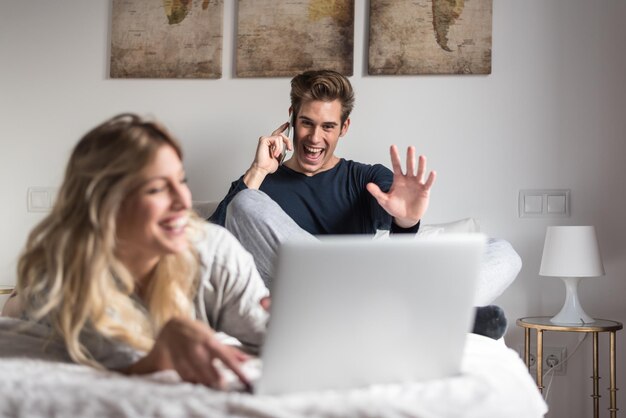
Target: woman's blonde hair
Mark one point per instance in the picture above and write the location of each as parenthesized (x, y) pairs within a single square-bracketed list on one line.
[(69, 273)]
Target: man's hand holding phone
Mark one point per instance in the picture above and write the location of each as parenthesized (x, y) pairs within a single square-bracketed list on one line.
[(270, 153), (283, 153)]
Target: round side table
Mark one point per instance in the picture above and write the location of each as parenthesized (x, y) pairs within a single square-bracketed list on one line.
[(542, 323), (6, 290)]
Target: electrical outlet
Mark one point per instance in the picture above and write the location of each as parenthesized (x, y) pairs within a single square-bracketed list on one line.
[(552, 358), (531, 356)]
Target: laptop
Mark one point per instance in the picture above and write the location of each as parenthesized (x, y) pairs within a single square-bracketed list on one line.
[(349, 311)]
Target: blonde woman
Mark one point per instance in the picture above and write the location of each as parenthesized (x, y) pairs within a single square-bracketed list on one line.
[(125, 276)]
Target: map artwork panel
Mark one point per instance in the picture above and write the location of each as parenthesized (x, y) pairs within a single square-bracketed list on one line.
[(278, 38), (430, 37), (166, 39)]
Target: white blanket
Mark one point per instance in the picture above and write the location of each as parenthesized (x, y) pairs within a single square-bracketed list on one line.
[(493, 383), (500, 266)]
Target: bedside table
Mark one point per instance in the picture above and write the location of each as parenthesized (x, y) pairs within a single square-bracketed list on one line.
[(542, 323), (6, 290)]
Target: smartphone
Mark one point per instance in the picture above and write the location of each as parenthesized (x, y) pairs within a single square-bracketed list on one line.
[(288, 134)]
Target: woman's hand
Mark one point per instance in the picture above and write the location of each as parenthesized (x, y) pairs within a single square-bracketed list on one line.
[(190, 348)]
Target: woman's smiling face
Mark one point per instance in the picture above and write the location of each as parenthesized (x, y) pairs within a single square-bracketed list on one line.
[(153, 218)]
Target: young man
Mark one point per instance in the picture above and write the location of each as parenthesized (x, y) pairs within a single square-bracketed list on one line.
[(320, 192), (316, 192)]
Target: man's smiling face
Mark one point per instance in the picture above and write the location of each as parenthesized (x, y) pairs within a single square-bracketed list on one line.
[(317, 131)]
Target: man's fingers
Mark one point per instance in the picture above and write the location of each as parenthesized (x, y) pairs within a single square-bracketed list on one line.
[(375, 191), (421, 167), (410, 161), (287, 142), (431, 179), (276, 144), (280, 129), (395, 160)]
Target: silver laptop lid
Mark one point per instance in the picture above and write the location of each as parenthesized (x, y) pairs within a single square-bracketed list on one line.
[(351, 311)]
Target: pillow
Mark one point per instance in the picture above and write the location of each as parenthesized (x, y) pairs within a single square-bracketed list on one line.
[(466, 225), (499, 267), (205, 208), (461, 226), (432, 230)]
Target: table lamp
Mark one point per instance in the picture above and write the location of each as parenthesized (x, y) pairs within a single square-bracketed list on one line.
[(571, 253)]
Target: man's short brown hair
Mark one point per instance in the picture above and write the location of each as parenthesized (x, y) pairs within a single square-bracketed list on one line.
[(324, 85)]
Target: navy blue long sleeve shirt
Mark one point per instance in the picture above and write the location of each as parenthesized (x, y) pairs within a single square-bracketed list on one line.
[(331, 202)]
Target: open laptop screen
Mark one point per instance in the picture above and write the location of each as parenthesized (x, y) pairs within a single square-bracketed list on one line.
[(349, 311)]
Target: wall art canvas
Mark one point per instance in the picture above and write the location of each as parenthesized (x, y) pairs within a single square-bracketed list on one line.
[(166, 39), (282, 38), (430, 37)]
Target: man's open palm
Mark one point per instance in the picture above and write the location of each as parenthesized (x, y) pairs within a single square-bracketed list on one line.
[(407, 199)]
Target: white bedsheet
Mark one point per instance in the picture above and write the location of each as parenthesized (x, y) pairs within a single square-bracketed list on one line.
[(494, 383)]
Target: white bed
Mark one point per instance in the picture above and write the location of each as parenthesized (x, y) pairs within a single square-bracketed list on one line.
[(494, 381)]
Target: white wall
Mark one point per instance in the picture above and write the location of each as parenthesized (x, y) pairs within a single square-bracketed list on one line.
[(551, 115)]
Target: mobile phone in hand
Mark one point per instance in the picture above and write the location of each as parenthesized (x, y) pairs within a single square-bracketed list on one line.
[(288, 134)]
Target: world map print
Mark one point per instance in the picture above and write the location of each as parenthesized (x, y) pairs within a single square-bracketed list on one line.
[(166, 39), (282, 38), (430, 37)]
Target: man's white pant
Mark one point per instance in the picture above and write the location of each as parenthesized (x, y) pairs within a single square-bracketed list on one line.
[(261, 225)]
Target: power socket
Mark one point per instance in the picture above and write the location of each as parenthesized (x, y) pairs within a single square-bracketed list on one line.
[(552, 358)]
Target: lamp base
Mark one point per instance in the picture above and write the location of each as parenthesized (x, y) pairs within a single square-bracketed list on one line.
[(571, 313)]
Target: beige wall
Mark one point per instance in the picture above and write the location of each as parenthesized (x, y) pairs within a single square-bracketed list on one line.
[(552, 115)]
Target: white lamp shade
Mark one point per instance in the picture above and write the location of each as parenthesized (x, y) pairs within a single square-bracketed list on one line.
[(571, 251)]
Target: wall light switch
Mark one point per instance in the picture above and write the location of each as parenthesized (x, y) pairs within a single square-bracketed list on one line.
[(533, 204), (543, 203), (556, 204), (40, 199)]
